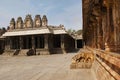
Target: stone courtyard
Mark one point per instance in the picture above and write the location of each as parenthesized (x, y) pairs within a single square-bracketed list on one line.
[(45, 67)]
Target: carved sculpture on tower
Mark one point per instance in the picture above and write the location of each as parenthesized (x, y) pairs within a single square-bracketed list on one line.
[(12, 24), (28, 22), (19, 23), (37, 21), (44, 20)]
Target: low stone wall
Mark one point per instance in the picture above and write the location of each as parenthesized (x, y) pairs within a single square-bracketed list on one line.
[(9, 52), (42, 52), (106, 66)]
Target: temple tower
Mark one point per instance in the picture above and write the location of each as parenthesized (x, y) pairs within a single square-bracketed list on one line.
[(37, 21), (44, 21), (19, 23), (28, 22), (12, 24)]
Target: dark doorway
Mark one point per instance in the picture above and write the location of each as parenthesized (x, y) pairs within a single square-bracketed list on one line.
[(24, 43), (57, 41), (79, 44), (41, 39), (15, 43), (36, 42), (27, 42)]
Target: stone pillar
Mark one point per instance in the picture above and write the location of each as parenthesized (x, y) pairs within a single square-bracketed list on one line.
[(46, 41), (10, 43), (100, 33), (62, 43), (107, 31), (21, 42), (95, 36), (46, 45), (27, 42), (6, 43), (38, 42), (33, 42), (116, 27), (16, 41), (75, 44)]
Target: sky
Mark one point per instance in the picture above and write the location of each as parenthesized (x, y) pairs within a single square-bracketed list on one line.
[(66, 12)]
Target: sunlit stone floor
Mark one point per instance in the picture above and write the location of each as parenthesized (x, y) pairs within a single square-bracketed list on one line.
[(44, 67)]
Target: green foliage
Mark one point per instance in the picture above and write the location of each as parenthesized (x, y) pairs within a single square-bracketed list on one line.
[(71, 31), (79, 32), (2, 30)]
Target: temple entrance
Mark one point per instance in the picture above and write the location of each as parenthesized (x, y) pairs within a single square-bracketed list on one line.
[(57, 41), (39, 41), (15, 43), (27, 41), (79, 43)]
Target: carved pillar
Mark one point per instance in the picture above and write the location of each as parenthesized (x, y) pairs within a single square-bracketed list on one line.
[(107, 31), (46, 41), (115, 27), (104, 25), (38, 42), (21, 43), (6, 43), (62, 43), (10, 43), (100, 33), (75, 44), (16, 41), (27, 42), (33, 42), (95, 35), (118, 25)]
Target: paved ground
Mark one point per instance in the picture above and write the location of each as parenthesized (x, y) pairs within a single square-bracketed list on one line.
[(46, 67)]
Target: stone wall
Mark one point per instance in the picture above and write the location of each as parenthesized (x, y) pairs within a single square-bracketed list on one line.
[(101, 21)]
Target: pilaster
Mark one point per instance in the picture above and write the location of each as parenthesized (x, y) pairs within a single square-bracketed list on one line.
[(62, 44)]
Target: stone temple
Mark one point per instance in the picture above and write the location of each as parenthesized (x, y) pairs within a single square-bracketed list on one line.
[(37, 37), (100, 54)]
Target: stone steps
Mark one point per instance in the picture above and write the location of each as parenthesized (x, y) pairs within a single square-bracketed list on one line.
[(23, 52), (8, 52)]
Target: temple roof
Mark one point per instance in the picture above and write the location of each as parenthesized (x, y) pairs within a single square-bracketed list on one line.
[(35, 31), (76, 36)]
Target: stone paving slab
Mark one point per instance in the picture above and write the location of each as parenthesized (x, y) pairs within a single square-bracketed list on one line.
[(45, 67)]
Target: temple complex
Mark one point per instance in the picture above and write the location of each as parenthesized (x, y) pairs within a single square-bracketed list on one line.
[(99, 57), (37, 35)]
